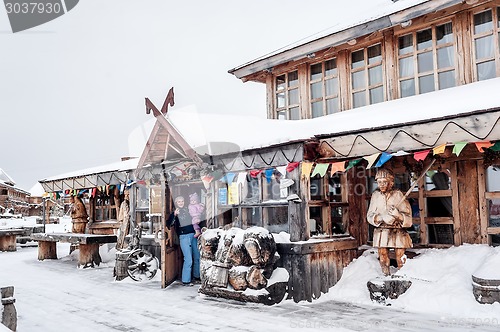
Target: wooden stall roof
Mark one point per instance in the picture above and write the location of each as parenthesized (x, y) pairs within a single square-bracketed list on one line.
[(114, 173), (363, 22)]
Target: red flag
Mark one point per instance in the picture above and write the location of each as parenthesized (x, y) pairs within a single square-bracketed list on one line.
[(421, 155), (255, 172), (292, 166)]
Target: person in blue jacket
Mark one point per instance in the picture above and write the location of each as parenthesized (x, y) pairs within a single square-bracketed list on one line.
[(182, 221)]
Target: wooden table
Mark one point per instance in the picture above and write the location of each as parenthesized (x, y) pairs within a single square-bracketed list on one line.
[(88, 245), (8, 238)]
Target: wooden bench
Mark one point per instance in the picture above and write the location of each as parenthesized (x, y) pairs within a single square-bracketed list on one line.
[(88, 245), (8, 238)]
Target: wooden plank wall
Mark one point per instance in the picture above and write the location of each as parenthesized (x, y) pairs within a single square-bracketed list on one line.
[(315, 269), (467, 179)]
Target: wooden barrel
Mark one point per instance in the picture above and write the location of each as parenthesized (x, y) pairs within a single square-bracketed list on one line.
[(486, 290), (121, 265)]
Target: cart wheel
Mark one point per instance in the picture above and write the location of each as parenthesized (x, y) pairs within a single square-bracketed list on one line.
[(142, 265)]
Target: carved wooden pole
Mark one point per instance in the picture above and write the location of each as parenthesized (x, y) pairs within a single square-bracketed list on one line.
[(9, 313)]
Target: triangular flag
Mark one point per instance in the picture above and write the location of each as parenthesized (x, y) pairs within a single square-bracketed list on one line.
[(483, 145), (228, 178), (292, 166), (320, 169), (400, 153), (269, 174), (254, 173), (421, 155), (371, 159), (459, 146), (282, 170), (496, 147), (383, 159), (352, 163), (337, 167), (439, 149), (306, 168)]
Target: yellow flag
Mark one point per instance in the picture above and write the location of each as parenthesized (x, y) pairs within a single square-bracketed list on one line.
[(439, 149), (306, 168)]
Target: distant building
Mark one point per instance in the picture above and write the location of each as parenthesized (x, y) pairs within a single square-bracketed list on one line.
[(12, 199)]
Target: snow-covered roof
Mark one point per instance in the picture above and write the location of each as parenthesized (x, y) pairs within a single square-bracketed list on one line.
[(250, 132), (5, 178), (37, 190), (120, 166), (374, 15)]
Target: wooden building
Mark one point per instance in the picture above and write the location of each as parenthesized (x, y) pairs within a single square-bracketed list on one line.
[(412, 87), (13, 200)]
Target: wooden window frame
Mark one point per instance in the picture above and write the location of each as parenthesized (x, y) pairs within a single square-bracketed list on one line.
[(434, 49), (489, 230), (495, 32), (366, 67), (287, 89), (324, 78)]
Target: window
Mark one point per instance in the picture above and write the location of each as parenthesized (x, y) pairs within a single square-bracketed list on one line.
[(367, 81), (287, 96), (486, 34), (324, 88), (426, 60), (105, 206), (493, 203)]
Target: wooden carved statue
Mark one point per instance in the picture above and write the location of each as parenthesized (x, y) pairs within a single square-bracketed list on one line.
[(124, 219), (390, 213), (79, 215)]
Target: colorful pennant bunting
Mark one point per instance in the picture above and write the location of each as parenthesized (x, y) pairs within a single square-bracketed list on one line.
[(352, 163), (337, 167), (269, 174), (483, 145), (282, 170), (306, 168), (254, 173), (383, 159), (439, 149), (292, 166), (496, 147), (459, 146), (320, 169), (421, 155), (371, 159)]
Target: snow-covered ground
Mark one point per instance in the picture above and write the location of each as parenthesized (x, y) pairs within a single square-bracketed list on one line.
[(55, 295)]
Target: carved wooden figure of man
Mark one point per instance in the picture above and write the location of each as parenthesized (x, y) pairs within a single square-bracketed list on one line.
[(390, 213), (79, 215), (124, 219)]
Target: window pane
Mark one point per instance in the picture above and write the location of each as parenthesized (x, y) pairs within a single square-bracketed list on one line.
[(426, 83), (317, 109), (486, 70), (493, 212), (493, 178), (446, 79), (483, 22), (440, 234), (374, 54), (424, 39), (375, 75), (376, 95), (407, 88), (357, 59), (280, 82), (316, 90), (425, 63), (444, 34), (294, 113), (405, 44), (332, 87), (331, 67), (276, 219), (316, 188), (293, 79), (280, 99), (316, 72), (332, 105), (293, 96), (358, 80), (406, 67), (484, 48), (445, 57), (359, 99), (282, 115)]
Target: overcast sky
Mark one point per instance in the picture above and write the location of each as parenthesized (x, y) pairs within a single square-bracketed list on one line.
[(73, 89)]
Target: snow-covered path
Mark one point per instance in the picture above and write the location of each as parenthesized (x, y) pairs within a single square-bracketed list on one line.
[(54, 295)]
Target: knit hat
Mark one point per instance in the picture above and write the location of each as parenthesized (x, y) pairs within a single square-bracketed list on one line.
[(193, 196)]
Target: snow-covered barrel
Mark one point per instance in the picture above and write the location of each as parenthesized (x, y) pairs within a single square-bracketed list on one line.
[(486, 290)]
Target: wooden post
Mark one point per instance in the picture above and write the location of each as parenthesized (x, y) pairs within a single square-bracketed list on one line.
[(47, 250), (89, 254), (8, 243), (298, 215), (469, 205), (163, 229), (9, 313), (483, 206)]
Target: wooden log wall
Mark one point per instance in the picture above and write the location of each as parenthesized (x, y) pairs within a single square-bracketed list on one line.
[(316, 266), (357, 225), (468, 194)]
